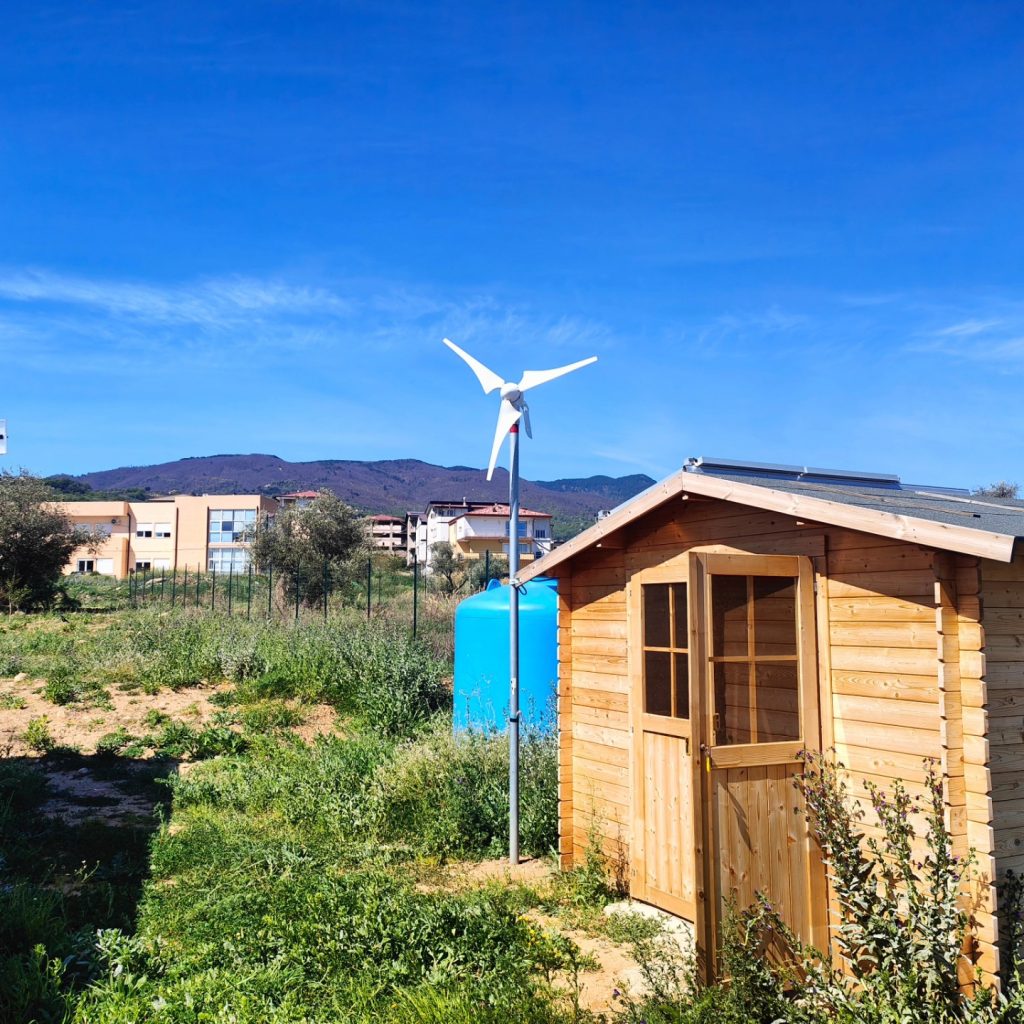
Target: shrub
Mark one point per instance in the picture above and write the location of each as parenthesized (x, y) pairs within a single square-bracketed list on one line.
[(269, 715), (179, 740), (447, 794), (396, 683), (12, 702), (37, 735), (116, 742), (903, 929)]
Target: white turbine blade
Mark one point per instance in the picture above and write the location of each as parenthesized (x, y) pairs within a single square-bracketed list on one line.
[(526, 419), (489, 380), (531, 378), (508, 416)]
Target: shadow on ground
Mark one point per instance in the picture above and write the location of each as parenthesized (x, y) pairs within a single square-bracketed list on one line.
[(80, 825)]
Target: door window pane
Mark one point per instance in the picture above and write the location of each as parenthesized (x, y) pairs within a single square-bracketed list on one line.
[(774, 615), (732, 717), (658, 683), (778, 711), (729, 616), (682, 687), (680, 621), (755, 659), (656, 615)]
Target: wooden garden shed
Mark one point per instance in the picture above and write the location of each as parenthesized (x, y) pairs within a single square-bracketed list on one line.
[(735, 614)]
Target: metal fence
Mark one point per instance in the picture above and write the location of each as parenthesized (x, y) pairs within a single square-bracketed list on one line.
[(282, 594)]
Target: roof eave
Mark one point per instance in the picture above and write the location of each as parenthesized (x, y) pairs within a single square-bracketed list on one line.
[(926, 532)]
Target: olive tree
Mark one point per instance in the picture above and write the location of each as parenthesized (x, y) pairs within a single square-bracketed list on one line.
[(1001, 489), (309, 547), (447, 568), (36, 541)]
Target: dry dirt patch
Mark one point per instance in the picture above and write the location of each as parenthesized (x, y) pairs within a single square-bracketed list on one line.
[(80, 726)]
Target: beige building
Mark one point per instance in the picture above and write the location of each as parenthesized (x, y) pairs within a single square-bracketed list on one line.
[(386, 533), (480, 530), (182, 532)]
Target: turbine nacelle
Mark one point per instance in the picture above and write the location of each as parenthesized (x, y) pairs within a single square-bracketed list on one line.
[(512, 407)]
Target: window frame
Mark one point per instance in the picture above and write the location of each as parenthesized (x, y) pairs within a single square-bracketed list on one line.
[(675, 652)]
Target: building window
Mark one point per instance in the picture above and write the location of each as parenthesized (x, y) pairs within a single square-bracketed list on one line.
[(102, 530), (228, 560), (86, 565), (666, 665), (229, 526), (141, 566), (524, 549), (143, 529), (162, 530), (540, 531), (522, 529)]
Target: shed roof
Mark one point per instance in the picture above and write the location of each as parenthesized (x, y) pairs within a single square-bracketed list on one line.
[(944, 518)]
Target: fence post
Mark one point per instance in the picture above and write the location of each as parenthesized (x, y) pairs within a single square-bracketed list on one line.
[(369, 585), (174, 586), (163, 580), (415, 592), (298, 577), (487, 567), (325, 589), (184, 589), (213, 590), (231, 582), (270, 591), (248, 596), (198, 578)]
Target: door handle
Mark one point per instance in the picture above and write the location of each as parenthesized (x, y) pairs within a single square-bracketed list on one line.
[(705, 753)]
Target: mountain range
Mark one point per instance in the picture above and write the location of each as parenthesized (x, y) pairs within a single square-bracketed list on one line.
[(393, 486)]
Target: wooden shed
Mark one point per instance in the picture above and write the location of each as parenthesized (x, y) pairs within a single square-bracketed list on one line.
[(733, 615)]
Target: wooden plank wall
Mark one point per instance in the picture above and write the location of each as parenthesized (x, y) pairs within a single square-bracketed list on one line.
[(997, 713), (596, 795)]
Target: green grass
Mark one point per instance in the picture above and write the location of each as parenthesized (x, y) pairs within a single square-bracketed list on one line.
[(286, 889)]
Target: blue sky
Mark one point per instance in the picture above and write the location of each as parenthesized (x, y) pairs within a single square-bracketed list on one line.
[(790, 231)]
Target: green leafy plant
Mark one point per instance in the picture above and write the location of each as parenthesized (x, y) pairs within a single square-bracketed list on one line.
[(12, 702), (903, 929), (37, 735)]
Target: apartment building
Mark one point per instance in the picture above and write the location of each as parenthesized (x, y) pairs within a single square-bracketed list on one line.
[(185, 531), (474, 528), (386, 533), (475, 533)]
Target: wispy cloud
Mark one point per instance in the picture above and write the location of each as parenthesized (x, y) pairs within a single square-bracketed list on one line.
[(994, 336), (64, 321)]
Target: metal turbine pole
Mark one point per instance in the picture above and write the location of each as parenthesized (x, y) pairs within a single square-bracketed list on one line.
[(513, 648)]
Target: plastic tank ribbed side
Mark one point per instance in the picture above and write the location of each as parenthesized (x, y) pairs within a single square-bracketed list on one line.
[(481, 657)]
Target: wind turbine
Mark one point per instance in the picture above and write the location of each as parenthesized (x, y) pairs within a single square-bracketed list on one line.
[(511, 410)]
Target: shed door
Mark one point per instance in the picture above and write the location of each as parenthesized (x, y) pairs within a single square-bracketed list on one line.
[(662, 851), (758, 698)]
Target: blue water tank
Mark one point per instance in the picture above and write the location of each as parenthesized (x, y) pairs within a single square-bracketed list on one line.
[(481, 656)]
